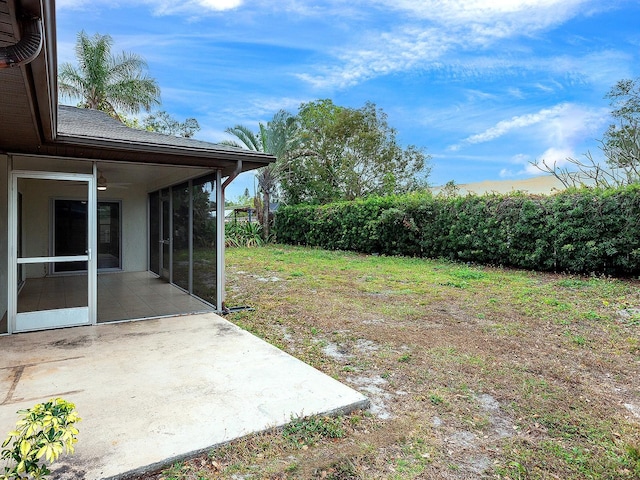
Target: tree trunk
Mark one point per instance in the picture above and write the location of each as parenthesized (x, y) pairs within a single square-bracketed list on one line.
[(265, 216)]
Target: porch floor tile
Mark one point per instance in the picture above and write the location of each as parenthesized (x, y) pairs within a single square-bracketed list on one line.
[(154, 391), (121, 296)]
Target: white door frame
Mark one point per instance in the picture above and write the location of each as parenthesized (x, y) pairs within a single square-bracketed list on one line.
[(62, 317)]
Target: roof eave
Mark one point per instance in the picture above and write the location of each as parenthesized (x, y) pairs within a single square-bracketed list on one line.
[(170, 149), (42, 71), (219, 159)]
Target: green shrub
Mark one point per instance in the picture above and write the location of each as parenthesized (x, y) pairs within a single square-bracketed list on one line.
[(46, 430), (578, 231), (243, 234)]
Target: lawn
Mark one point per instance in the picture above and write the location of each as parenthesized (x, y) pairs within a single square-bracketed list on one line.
[(473, 372)]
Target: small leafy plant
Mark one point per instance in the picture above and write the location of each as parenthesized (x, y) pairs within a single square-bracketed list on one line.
[(45, 430), (243, 234), (309, 430)]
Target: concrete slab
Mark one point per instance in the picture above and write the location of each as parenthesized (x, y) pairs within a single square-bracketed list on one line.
[(152, 391)]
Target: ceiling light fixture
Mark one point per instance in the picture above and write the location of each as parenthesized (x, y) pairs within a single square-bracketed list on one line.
[(102, 183)]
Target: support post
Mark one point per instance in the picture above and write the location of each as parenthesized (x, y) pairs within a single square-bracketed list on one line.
[(220, 286)]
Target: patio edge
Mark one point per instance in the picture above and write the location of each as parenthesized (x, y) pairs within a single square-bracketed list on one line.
[(364, 404)]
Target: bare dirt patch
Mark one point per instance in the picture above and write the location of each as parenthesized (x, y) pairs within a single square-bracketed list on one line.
[(472, 372)]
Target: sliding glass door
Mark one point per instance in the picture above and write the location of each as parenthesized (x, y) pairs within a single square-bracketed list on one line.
[(69, 224), (183, 233)]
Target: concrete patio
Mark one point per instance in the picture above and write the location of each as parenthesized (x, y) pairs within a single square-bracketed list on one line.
[(153, 391)]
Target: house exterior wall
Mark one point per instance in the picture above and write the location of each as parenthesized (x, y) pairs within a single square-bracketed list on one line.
[(134, 226), (4, 272)]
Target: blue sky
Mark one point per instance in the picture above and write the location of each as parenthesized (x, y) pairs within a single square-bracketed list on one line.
[(485, 86)]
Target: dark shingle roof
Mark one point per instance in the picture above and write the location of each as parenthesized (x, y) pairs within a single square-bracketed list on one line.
[(93, 124), (91, 134)]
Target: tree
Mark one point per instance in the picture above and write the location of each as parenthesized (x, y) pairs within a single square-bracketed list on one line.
[(162, 122), (450, 190), (345, 153), (115, 84), (620, 146), (621, 143), (278, 137)]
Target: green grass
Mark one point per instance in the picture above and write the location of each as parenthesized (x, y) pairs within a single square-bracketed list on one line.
[(440, 340)]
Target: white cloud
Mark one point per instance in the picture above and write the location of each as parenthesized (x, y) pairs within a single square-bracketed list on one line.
[(517, 122), (253, 110), (161, 7), (551, 156), (191, 7), (561, 125), (437, 41), (453, 35), (219, 5), (558, 132), (492, 18), (381, 54)]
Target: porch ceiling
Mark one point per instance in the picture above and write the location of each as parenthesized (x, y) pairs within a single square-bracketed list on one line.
[(119, 175), (147, 177)]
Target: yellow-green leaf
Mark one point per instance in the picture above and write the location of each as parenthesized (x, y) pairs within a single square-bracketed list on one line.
[(50, 455), (25, 446), (41, 452)]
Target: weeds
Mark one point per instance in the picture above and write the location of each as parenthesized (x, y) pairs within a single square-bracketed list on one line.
[(526, 370), (309, 430)]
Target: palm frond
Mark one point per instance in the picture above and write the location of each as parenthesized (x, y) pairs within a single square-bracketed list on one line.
[(70, 82), (106, 82), (131, 94), (231, 143), (248, 139)]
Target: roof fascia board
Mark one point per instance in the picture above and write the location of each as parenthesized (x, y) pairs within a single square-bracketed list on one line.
[(40, 75), (44, 70), (101, 143)]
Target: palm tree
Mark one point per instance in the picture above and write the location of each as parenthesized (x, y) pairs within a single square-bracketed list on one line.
[(279, 137), (111, 83)]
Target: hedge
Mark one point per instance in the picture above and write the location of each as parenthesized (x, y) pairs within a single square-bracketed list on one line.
[(576, 231)]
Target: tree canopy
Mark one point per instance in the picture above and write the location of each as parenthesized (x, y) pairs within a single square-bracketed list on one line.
[(621, 142), (345, 153), (328, 153), (162, 122), (277, 137), (115, 84), (620, 145)]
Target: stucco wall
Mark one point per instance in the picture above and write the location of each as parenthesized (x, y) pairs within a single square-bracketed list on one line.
[(3, 242), (134, 226)]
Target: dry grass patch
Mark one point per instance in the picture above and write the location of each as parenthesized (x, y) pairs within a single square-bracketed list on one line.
[(473, 372)]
